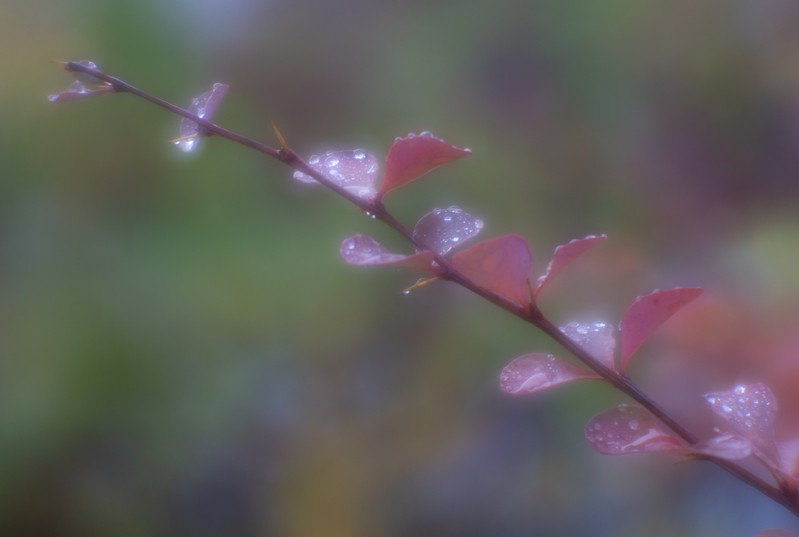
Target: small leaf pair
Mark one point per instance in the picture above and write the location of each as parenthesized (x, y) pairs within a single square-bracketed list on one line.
[(409, 158), (503, 265), (84, 85), (748, 413), (500, 265), (598, 340), (204, 107), (522, 376), (439, 231)]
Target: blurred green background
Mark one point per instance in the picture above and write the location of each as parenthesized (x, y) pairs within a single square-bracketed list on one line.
[(182, 353)]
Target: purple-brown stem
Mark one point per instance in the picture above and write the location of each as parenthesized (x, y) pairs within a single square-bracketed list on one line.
[(529, 313)]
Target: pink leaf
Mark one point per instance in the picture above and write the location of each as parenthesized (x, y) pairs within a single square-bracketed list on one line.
[(628, 429), (647, 313), (444, 229), (751, 409), (564, 255), (776, 533), (355, 171), (363, 250), (413, 156), (204, 107), (77, 90), (789, 457), (595, 338), (500, 265), (730, 447), (536, 372)]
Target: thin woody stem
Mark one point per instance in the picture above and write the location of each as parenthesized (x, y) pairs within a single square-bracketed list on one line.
[(529, 313)]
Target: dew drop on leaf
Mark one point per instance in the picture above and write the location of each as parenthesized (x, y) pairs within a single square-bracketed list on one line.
[(750, 408), (595, 338), (204, 106), (363, 250), (353, 170), (629, 429), (78, 89), (536, 372), (444, 229), (725, 446)]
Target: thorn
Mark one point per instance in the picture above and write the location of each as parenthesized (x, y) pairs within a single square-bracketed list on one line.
[(418, 284), (283, 145)]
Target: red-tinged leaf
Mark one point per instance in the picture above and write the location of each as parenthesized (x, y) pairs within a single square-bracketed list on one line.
[(751, 409), (536, 372), (354, 170), (595, 338), (788, 451), (730, 447), (776, 533), (647, 313), (564, 255), (413, 156), (629, 429), (444, 229), (204, 106), (78, 90), (363, 250), (500, 265)]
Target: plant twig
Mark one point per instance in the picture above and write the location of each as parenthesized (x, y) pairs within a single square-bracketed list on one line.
[(529, 313)]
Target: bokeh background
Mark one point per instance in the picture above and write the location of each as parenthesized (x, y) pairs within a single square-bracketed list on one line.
[(182, 353)]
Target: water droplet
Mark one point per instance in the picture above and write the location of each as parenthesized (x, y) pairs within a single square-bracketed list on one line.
[(187, 145), (633, 424), (354, 171), (443, 229), (597, 338)]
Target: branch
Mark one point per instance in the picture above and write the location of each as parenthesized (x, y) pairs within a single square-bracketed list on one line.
[(447, 271)]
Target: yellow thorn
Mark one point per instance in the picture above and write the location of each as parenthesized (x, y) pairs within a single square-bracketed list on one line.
[(418, 284), (283, 145)]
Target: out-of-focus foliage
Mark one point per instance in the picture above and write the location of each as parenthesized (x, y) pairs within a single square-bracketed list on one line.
[(182, 352)]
